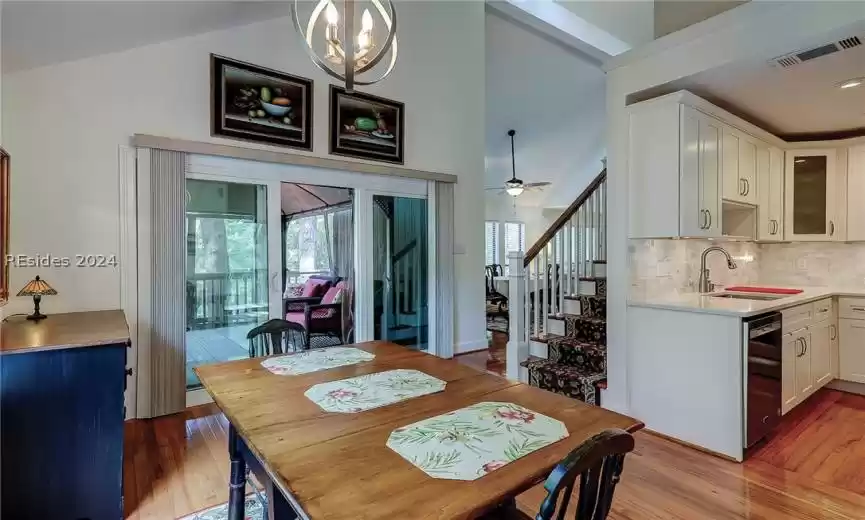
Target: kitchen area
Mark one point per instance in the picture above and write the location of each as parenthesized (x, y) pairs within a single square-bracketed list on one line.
[(747, 245)]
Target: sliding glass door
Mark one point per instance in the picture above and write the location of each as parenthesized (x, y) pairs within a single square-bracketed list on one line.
[(227, 271), (400, 250)]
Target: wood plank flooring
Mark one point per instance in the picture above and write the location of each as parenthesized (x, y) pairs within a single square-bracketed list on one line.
[(813, 468), (491, 359)]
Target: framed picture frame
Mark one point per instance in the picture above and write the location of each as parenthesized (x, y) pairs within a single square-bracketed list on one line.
[(5, 216), (258, 104), (366, 126)]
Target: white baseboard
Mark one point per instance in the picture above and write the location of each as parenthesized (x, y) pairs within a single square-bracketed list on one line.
[(197, 397), (471, 346), (847, 386)]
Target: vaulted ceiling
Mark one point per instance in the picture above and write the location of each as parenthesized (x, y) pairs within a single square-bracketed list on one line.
[(554, 98)]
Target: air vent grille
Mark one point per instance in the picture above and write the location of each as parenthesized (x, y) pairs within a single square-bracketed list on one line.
[(849, 43), (795, 58)]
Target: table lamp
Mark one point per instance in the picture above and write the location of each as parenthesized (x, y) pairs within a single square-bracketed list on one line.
[(36, 288)]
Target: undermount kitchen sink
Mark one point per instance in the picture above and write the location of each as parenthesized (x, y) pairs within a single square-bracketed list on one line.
[(745, 296)]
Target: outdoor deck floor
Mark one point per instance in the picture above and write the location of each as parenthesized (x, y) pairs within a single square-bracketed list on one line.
[(213, 346)]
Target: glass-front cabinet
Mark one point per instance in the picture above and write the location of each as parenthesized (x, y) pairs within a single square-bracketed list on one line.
[(811, 195)]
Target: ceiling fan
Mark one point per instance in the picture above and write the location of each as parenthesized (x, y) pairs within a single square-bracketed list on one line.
[(515, 187)]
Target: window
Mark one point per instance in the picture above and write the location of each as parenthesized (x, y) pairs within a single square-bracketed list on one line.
[(491, 242), (502, 238), (515, 240)]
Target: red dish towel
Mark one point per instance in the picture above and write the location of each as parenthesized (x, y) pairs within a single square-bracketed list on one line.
[(767, 290)]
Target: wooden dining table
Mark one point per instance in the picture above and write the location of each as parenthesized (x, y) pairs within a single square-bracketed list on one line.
[(321, 465)]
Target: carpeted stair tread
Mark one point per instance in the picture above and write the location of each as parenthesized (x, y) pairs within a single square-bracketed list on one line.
[(575, 382)]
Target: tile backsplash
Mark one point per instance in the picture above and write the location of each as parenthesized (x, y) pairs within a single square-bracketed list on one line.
[(662, 267), (813, 263)]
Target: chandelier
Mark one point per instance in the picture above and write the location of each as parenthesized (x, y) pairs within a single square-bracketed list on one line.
[(349, 52)]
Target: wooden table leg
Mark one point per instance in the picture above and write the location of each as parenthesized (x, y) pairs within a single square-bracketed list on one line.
[(237, 484)]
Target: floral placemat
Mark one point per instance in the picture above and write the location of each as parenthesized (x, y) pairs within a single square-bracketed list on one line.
[(468, 443), (315, 360), (370, 391)]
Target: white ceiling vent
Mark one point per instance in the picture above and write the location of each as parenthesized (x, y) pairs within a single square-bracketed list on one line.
[(795, 58)]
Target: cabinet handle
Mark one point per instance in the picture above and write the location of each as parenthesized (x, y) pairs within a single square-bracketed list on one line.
[(834, 332), (831, 228), (860, 309), (774, 227), (709, 224), (747, 187), (702, 219), (741, 186), (805, 345)]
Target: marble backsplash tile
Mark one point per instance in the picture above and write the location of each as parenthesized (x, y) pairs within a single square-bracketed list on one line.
[(813, 263), (663, 267)]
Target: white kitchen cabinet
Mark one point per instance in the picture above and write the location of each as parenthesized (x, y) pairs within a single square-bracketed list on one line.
[(856, 193), (739, 166), (819, 347), (789, 395), (811, 196), (699, 200), (770, 194), (851, 350), (674, 171), (804, 374)]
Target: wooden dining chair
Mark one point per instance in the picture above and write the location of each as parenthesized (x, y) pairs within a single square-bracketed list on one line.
[(598, 462), (276, 337)]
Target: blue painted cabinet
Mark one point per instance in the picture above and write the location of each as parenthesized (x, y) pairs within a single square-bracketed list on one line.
[(61, 416)]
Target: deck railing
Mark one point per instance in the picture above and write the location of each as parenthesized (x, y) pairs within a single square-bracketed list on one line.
[(221, 299)]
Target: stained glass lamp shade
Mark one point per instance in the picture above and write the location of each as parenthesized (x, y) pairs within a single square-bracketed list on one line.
[(37, 288)]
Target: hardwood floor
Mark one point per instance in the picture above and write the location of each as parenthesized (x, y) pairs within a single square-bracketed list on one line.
[(492, 359), (813, 468)]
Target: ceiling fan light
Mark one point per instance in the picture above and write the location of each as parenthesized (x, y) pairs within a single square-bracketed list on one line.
[(514, 190)]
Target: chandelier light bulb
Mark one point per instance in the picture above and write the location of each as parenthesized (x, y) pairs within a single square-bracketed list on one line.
[(365, 20), (331, 14)]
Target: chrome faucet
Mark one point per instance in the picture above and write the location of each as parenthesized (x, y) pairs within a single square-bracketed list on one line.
[(705, 286)]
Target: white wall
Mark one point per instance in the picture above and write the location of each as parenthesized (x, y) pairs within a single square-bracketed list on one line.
[(65, 122), (749, 33), (554, 98)]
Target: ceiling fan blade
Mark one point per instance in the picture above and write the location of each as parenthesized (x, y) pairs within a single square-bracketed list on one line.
[(496, 188), (536, 184)]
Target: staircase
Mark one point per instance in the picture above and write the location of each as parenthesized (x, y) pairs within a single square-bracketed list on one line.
[(560, 344)]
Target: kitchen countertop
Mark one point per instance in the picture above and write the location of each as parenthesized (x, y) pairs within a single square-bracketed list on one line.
[(695, 302)]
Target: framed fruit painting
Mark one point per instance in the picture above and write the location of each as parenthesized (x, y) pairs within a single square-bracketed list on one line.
[(258, 104), (365, 126)]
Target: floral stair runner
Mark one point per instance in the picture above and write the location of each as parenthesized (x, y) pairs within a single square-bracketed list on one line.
[(576, 362), (315, 360), (468, 443), (370, 391)]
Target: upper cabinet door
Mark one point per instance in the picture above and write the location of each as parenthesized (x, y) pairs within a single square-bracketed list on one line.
[(700, 163), (770, 190), (739, 165), (810, 196)]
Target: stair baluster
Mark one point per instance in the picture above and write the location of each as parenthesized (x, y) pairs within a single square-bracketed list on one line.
[(574, 248)]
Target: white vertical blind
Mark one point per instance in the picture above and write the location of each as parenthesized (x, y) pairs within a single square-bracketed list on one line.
[(445, 279), (514, 240), (162, 250), (491, 242)]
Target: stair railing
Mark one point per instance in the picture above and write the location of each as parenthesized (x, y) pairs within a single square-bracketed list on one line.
[(551, 271)]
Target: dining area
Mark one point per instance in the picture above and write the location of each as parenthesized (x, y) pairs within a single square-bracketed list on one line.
[(377, 430)]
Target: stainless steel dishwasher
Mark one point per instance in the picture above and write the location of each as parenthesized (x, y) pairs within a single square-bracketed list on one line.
[(762, 392)]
